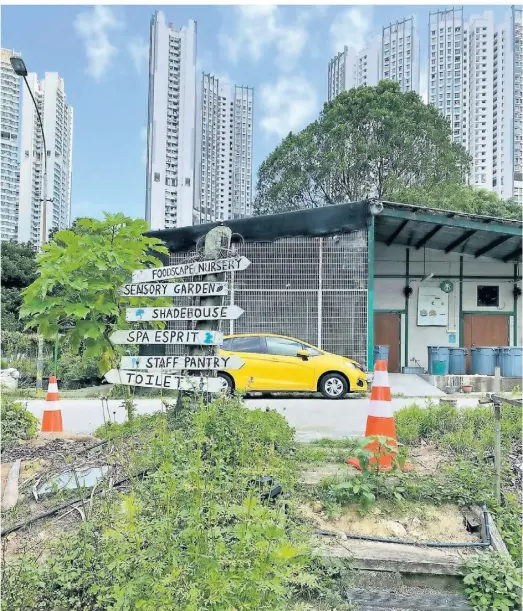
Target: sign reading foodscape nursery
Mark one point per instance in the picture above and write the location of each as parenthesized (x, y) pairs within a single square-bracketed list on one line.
[(196, 268)]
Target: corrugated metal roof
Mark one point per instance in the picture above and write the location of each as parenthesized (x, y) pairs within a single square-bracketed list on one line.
[(469, 234)]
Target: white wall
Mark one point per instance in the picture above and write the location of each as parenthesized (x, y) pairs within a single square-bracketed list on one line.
[(388, 293)]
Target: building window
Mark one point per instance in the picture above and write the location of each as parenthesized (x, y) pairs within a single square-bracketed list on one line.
[(488, 296), (157, 177)]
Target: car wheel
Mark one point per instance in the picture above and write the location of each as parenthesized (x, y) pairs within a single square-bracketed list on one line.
[(227, 382), (333, 386)]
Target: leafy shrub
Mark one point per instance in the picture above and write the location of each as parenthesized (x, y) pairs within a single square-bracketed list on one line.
[(192, 535), (16, 421), (493, 583)]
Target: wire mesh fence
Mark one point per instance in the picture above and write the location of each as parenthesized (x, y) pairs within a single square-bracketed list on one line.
[(314, 289)]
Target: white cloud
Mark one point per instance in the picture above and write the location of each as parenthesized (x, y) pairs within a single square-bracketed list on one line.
[(93, 27), (138, 49), (257, 28), (287, 105), (350, 28), (143, 138)]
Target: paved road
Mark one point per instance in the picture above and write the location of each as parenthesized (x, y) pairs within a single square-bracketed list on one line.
[(313, 418)]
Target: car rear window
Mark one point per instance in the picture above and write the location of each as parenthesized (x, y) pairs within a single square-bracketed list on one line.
[(247, 344)]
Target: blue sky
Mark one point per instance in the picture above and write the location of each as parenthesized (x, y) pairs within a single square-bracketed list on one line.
[(101, 52)]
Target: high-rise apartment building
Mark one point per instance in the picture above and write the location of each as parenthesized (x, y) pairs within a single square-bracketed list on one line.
[(57, 118), (171, 126), (473, 81), (224, 151), (9, 139), (393, 55)]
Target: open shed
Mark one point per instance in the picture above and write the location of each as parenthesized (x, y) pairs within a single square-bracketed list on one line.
[(350, 276)]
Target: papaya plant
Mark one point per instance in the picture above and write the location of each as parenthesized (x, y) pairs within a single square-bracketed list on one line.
[(79, 274)]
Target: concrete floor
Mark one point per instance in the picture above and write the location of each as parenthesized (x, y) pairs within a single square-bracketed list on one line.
[(313, 418)]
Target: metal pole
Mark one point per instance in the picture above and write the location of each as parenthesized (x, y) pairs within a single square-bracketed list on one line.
[(43, 201), (497, 448), (56, 356)]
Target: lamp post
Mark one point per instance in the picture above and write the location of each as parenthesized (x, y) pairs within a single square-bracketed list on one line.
[(20, 69)]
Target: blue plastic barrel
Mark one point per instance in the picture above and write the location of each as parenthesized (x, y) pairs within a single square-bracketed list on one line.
[(510, 361), (438, 354), (381, 353), (457, 361), (483, 360)]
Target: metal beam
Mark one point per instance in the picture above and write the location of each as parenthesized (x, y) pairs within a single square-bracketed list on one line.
[(453, 222), (428, 236), (513, 256), (396, 233), (492, 245), (462, 238)]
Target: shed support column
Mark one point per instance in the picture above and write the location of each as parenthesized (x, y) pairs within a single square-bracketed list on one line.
[(460, 302), (407, 283), (320, 292), (370, 295)]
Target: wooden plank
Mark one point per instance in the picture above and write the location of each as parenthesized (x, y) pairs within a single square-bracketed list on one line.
[(185, 270), (166, 336), (158, 379), (181, 363), (184, 313), (173, 289)]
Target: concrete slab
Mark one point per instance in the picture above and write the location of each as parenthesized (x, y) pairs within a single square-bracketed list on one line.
[(412, 385)]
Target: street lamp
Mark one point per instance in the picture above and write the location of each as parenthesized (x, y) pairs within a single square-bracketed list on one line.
[(20, 69)]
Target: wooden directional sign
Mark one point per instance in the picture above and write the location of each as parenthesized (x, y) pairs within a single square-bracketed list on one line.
[(184, 313), (180, 363), (185, 270), (172, 289), (163, 380), (167, 336)]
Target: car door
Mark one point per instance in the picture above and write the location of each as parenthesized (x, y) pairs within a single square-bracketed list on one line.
[(286, 370), (251, 349)]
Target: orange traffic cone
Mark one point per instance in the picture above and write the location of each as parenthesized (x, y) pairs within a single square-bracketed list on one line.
[(380, 421), (52, 418)]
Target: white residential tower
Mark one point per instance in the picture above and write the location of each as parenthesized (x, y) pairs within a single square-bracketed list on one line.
[(224, 151), (10, 134), (393, 55), (171, 127), (57, 118)]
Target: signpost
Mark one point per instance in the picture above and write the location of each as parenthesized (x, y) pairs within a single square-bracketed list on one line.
[(179, 363), (184, 313), (196, 268), (166, 336), (174, 289), (160, 379)]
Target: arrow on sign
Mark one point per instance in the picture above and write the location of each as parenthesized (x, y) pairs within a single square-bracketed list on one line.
[(185, 313), (163, 380), (180, 363), (196, 268), (167, 336), (172, 289)]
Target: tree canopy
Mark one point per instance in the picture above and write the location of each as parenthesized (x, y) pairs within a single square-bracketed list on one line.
[(367, 142), (18, 271), (80, 273)]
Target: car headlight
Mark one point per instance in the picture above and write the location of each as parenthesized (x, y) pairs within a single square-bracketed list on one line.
[(355, 366)]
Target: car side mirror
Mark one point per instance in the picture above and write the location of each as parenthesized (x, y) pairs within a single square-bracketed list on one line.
[(303, 354)]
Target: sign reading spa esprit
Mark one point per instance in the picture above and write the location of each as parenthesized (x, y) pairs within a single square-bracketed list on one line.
[(153, 371)]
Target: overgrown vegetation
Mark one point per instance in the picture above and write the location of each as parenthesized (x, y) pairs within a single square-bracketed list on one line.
[(17, 423), (493, 584), (18, 271), (193, 534)]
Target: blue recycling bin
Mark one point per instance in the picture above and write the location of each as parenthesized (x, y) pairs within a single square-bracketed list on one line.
[(510, 361), (437, 356), (381, 353), (483, 360), (457, 361)]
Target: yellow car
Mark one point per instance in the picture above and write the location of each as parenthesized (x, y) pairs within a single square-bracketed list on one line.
[(275, 363)]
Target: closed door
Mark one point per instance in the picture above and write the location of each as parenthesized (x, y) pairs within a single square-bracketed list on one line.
[(387, 332), (485, 330), (285, 370)]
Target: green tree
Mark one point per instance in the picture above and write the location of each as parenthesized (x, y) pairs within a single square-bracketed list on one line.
[(80, 274), (367, 142), (461, 198), (18, 271)]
